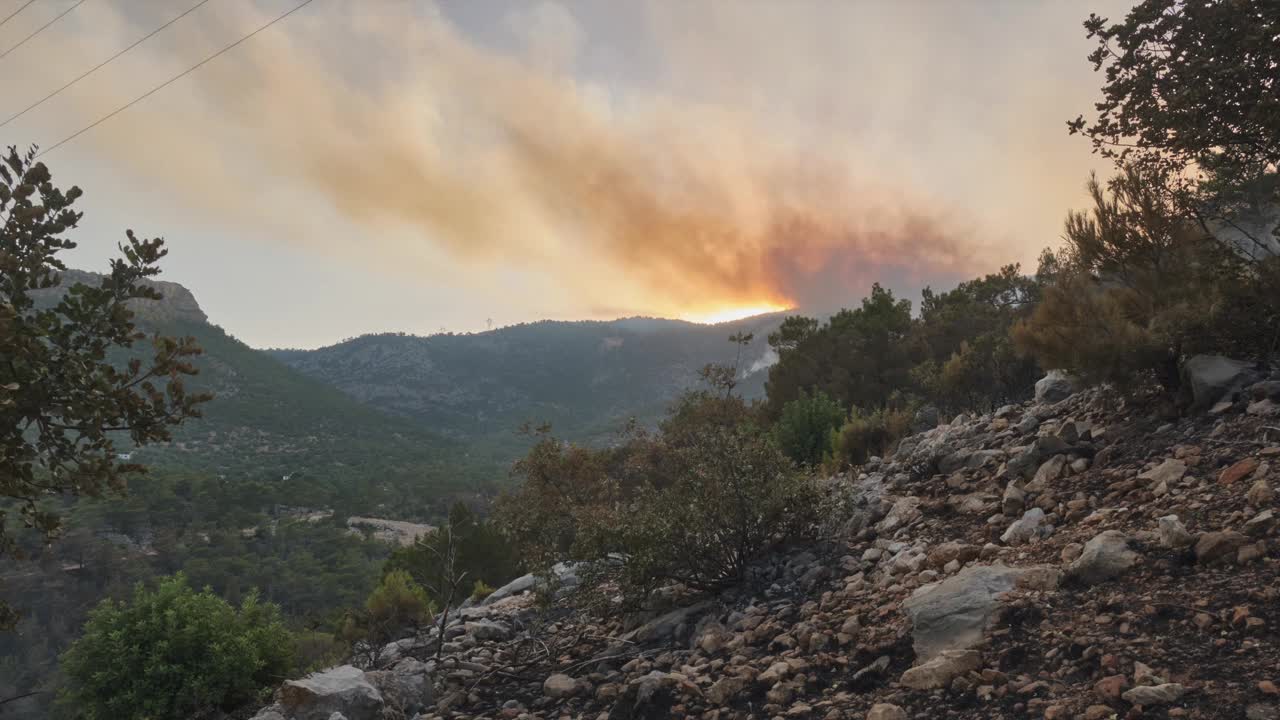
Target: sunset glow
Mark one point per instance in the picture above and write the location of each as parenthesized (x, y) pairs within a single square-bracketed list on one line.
[(732, 313)]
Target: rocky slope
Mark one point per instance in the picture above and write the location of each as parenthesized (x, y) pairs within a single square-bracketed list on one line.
[(1073, 559)]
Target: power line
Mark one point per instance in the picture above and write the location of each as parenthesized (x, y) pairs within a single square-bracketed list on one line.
[(39, 30), (168, 82), (99, 66), (15, 12)]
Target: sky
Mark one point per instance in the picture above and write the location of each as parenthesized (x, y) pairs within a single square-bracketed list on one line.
[(406, 165)]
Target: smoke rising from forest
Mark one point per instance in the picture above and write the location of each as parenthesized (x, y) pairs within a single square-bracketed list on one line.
[(658, 194)]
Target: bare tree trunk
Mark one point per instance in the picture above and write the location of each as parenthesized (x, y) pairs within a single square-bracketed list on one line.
[(446, 586)]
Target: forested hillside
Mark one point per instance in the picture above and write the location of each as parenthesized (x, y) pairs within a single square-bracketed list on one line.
[(585, 378), (253, 495)]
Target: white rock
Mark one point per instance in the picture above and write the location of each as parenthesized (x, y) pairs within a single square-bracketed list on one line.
[(1147, 695), (1025, 529), (1173, 534)]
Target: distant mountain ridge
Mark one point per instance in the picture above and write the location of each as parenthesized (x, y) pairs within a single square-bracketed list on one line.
[(268, 420), (587, 378), (406, 400)]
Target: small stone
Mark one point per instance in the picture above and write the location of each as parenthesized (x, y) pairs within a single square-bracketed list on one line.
[(885, 711), (1259, 711), (1168, 472), (1014, 500), (1055, 386), (1048, 472), (725, 690), (1106, 556), (1238, 471), (1173, 534), (942, 555), (1071, 551), (1024, 530), (1266, 687), (942, 669), (775, 674), (559, 686), (1146, 695), (1110, 687), (1263, 408), (1216, 546), (1260, 524), (1260, 494), (1144, 675), (1250, 553)]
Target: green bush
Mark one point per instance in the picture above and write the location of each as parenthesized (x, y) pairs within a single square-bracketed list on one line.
[(478, 549), (956, 354), (804, 430), (735, 498), (867, 434), (398, 601), (480, 591), (396, 605), (174, 653), (1143, 286), (563, 492), (693, 504), (313, 650)]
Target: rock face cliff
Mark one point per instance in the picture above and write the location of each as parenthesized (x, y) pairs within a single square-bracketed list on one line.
[(176, 305), (1073, 559)]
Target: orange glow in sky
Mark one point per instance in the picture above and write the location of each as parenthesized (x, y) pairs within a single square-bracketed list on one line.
[(732, 313)]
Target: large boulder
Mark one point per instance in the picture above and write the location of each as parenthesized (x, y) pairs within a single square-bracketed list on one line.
[(676, 624), (954, 613), (1210, 378), (343, 689), (1106, 556), (564, 577), (405, 687), (1055, 386), (520, 585)]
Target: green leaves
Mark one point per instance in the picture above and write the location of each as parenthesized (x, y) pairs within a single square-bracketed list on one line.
[(711, 481), (173, 653), (63, 404), (1190, 94), (804, 430)]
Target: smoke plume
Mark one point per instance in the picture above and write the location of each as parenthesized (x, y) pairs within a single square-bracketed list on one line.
[(394, 120)]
